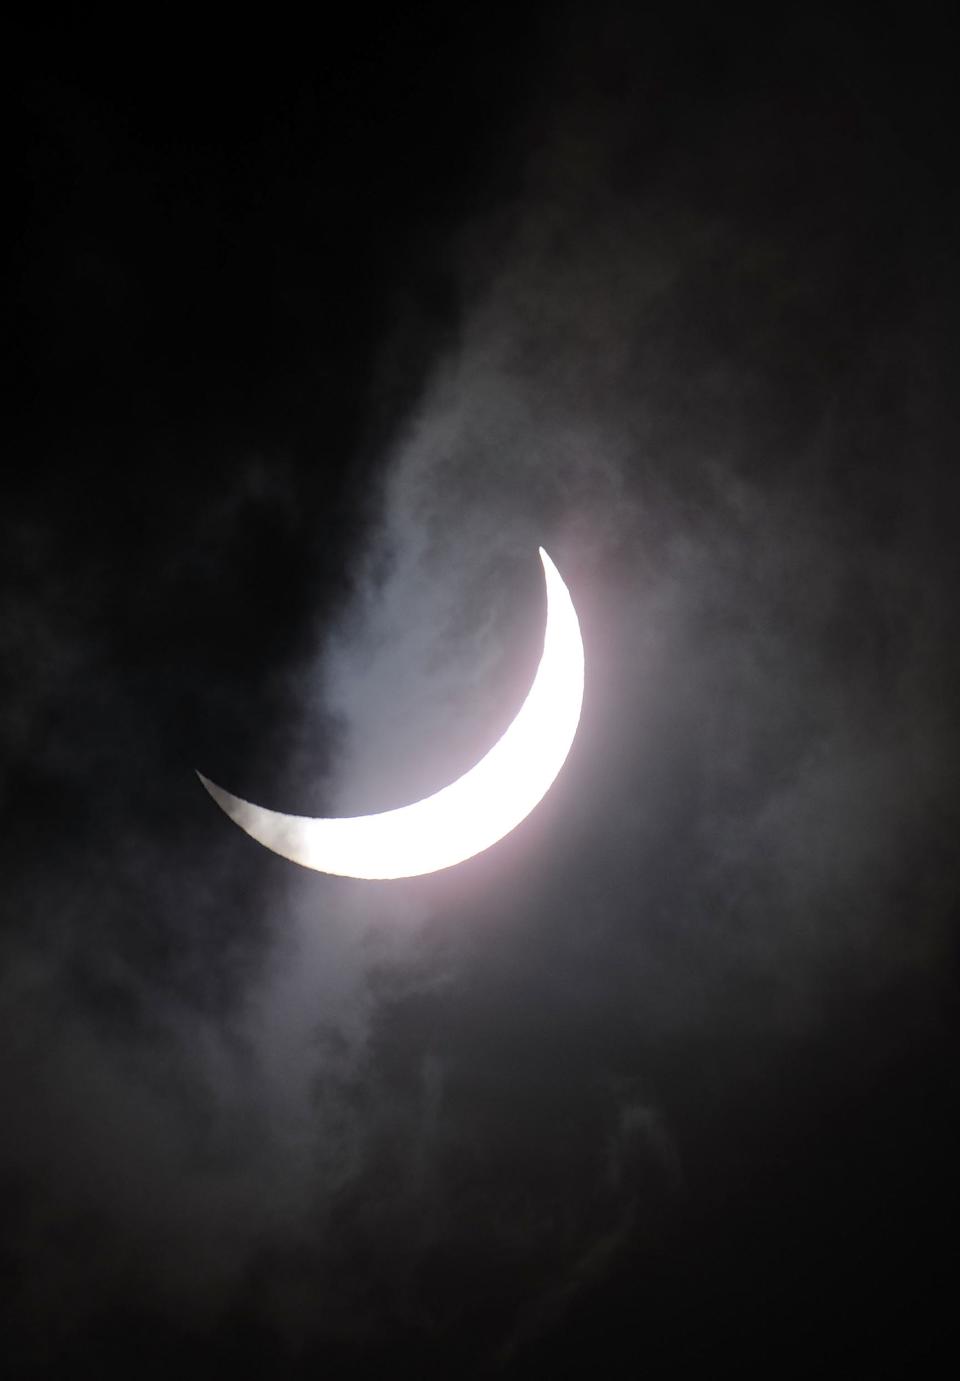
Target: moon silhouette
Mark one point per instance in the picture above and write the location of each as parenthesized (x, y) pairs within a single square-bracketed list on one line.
[(473, 812)]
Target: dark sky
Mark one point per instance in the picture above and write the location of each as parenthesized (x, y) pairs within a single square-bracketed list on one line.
[(317, 335)]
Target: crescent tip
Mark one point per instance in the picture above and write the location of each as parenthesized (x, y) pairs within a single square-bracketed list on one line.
[(210, 787)]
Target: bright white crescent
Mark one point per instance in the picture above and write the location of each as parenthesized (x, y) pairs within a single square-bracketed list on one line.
[(470, 814)]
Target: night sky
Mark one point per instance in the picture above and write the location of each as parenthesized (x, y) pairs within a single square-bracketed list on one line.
[(317, 334)]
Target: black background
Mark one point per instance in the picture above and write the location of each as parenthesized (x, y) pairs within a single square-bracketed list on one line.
[(698, 1079)]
